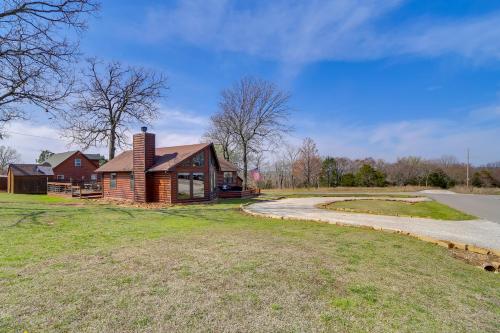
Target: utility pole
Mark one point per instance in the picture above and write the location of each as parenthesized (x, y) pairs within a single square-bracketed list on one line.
[(468, 163)]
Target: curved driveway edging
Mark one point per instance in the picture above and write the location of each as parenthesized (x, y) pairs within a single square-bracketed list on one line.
[(481, 236)]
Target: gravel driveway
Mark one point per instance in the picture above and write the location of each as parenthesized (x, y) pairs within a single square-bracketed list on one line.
[(482, 233)]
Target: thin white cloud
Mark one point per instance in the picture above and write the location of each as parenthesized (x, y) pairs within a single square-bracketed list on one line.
[(174, 127), (306, 31), (429, 138), (175, 115), (30, 138)]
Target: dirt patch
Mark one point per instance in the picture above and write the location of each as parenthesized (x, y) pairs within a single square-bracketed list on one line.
[(129, 204), (476, 259)]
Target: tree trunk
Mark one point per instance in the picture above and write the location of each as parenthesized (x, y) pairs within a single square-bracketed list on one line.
[(245, 167), (112, 145)]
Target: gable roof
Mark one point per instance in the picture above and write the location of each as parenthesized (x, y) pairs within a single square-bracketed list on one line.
[(30, 170), (94, 157), (55, 159), (165, 158), (225, 165)]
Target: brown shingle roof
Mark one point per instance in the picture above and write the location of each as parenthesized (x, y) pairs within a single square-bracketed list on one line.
[(225, 165), (30, 170), (165, 159)]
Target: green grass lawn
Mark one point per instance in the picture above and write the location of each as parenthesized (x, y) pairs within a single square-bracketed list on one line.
[(430, 209), (72, 266)]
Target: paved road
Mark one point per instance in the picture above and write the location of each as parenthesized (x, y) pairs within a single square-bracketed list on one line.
[(482, 233), (483, 206)]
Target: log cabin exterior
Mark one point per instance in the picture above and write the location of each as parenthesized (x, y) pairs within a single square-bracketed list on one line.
[(227, 177), (73, 166), (179, 174)]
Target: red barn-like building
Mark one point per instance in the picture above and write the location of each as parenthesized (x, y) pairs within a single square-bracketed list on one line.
[(73, 166)]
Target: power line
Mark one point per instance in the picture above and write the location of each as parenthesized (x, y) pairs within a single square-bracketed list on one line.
[(34, 136)]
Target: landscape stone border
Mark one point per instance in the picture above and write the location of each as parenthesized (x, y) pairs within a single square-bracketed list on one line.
[(440, 242)]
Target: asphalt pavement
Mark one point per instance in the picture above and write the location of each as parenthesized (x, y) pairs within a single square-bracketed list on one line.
[(484, 206)]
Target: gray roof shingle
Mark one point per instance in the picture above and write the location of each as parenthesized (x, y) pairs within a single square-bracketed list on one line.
[(56, 159), (30, 170)]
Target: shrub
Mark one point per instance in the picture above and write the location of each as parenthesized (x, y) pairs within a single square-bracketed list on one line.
[(484, 178), (368, 176), (348, 180), (440, 179)]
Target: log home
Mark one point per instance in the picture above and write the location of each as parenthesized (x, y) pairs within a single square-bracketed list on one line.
[(170, 174), (73, 166)]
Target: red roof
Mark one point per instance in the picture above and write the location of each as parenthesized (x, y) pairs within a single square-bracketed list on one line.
[(225, 165)]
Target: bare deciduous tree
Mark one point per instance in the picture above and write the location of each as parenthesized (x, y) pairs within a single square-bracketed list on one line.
[(309, 163), (255, 112), (291, 156), (111, 100), (221, 135), (35, 52), (7, 156)]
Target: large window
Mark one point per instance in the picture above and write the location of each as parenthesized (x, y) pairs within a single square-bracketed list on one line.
[(190, 185), (198, 185), (228, 177), (78, 162), (213, 176), (183, 185), (112, 180), (199, 159)]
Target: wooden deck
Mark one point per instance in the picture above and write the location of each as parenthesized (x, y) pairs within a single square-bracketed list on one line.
[(239, 194), (93, 190)]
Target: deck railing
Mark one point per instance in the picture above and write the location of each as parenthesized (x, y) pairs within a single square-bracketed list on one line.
[(81, 189)]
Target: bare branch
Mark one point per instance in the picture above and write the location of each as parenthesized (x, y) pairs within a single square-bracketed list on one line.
[(253, 114), (113, 98), (7, 156), (35, 56)]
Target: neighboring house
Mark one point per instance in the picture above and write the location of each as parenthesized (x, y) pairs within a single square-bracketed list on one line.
[(227, 177), (169, 174), (73, 166), (28, 178)]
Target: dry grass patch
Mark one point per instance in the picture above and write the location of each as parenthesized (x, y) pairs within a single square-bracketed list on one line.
[(211, 268)]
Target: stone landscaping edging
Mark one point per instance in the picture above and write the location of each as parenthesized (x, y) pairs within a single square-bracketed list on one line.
[(443, 243)]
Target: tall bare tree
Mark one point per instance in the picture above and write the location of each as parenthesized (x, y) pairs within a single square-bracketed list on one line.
[(112, 99), (35, 52), (308, 166), (291, 155), (255, 112), (221, 135), (8, 155)]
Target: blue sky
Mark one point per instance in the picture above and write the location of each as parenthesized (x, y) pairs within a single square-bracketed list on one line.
[(368, 78)]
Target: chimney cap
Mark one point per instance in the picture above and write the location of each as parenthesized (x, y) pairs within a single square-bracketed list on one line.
[(144, 129)]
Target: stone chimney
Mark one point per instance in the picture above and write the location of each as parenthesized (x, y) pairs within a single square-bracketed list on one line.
[(143, 159)]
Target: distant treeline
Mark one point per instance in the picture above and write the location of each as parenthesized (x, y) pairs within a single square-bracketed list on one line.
[(305, 167)]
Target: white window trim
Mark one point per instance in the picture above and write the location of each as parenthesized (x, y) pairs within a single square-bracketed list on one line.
[(79, 164), (60, 177)]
